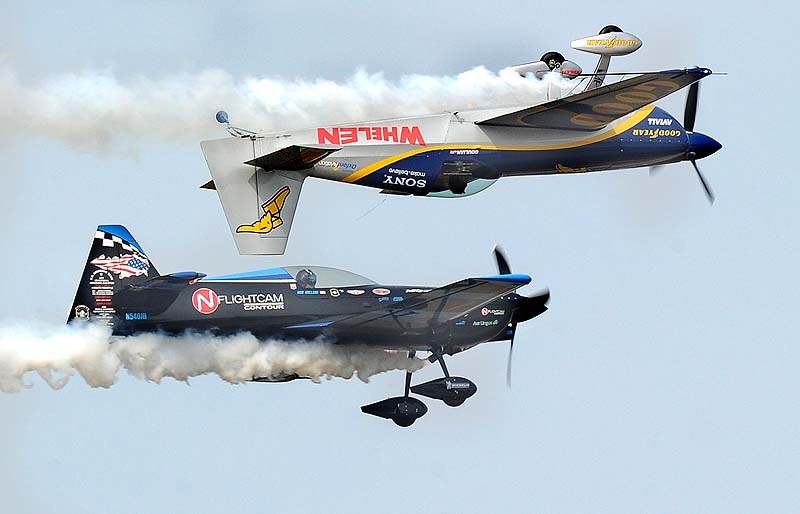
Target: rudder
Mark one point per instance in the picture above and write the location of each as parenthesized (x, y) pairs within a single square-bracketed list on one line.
[(115, 260)]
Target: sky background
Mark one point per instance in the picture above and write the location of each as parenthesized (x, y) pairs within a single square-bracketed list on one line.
[(663, 379)]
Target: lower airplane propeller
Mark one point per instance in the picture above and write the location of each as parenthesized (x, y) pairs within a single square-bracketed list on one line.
[(532, 307)]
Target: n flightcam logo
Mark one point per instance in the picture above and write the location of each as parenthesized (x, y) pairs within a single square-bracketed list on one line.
[(272, 214)]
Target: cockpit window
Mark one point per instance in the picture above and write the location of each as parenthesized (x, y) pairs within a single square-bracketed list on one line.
[(309, 277)]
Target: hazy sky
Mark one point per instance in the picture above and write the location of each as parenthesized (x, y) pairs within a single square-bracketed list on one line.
[(663, 379)]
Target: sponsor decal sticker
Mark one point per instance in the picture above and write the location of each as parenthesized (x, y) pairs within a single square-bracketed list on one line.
[(461, 323), (82, 312), (410, 135), (335, 293), (254, 301), (494, 312), (379, 291), (124, 266), (397, 298), (465, 152), (272, 214), (205, 300), (356, 292), (338, 165), (656, 133), (417, 290), (483, 323), (383, 299)]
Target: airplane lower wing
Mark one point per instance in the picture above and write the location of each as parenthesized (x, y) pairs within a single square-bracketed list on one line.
[(596, 108), (420, 313)]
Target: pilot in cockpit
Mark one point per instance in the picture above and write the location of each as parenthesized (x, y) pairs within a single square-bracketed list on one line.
[(306, 279)]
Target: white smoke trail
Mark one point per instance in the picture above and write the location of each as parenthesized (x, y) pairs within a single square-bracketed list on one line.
[(96, 111), (58, 353)]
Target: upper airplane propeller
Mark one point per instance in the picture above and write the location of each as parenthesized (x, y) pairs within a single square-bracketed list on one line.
[(700, 145)]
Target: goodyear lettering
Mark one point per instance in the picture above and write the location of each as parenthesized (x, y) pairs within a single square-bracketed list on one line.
[(655, 133), (659, 121), (465, 152), (624, 102), (611, 43), (409, 135)]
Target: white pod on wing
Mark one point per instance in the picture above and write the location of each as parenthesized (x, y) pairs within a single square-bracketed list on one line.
[(610, 43)]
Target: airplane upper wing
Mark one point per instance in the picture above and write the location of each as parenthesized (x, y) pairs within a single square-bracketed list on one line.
[(425, 311), (597, 108)]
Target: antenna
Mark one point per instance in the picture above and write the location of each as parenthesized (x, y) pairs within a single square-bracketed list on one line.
[(222, 118)]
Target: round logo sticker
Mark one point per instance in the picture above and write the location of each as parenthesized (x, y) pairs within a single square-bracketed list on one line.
[(381, 292), (205, 301), (485, 311)]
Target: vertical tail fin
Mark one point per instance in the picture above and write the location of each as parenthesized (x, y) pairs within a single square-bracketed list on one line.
[(258, 190), (115, 260)]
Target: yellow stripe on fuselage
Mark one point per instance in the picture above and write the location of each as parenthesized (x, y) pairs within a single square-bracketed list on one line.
[(634, 120)]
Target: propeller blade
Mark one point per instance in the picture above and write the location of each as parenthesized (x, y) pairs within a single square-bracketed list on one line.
[(709, 193), (510, 355), (502, 263), (690, 113)]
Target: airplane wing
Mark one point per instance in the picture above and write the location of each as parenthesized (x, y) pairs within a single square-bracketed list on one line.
[(596, 108), (259, 190), (421, 313)]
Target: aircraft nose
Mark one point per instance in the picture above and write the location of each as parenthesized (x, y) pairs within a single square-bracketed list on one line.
[(701, 145)]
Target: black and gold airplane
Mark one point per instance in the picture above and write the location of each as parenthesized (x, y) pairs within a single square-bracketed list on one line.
[(121, 287)]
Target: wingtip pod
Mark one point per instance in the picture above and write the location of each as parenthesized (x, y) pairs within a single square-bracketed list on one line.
[(612, 43)]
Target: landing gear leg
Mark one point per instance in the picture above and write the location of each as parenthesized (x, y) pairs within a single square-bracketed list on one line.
[(453, 391), (403, 410)]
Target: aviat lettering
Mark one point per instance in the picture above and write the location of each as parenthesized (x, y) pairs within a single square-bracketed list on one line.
[(655, 133), (254, 301), (659, 121), (410, 135), (404, 181)]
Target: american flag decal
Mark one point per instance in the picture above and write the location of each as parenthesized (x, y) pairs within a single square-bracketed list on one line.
[(130, 265)]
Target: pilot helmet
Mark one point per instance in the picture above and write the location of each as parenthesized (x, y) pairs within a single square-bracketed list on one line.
[(306, 279)]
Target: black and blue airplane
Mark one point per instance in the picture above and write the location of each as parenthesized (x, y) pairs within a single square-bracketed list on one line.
[(121, 287)]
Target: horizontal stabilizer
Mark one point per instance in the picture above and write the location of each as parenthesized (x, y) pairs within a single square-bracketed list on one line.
[(292, 158), (594, 109)]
